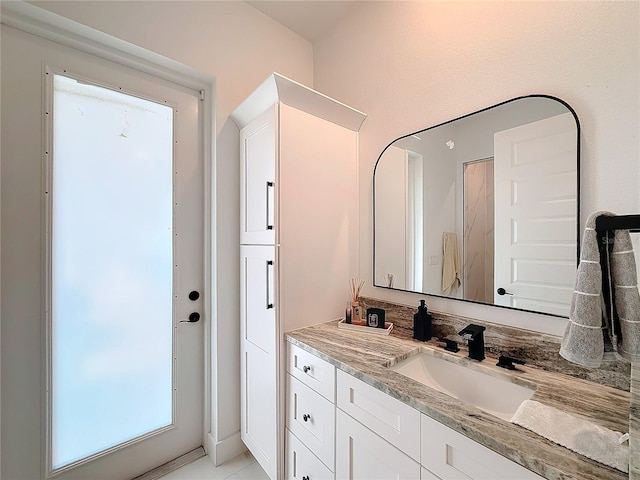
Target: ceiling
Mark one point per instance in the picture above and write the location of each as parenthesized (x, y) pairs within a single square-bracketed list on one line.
[(307, 18)]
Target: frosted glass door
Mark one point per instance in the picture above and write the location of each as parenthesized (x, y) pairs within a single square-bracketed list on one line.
[(119, 259), (106, 243)]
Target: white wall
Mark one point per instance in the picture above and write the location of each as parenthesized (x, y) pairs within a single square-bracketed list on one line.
[(240, 47), (411, 65)]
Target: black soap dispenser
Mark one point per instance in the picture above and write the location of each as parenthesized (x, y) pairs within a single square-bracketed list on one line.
[(422, 323)]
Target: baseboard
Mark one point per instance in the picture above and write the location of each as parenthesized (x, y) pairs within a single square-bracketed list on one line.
[(173, 465), (224, 450)]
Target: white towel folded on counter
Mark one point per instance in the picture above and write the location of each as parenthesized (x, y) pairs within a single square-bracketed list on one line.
[(586, 438)]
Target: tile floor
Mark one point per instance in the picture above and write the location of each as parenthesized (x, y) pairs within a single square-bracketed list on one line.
[(242, 467)]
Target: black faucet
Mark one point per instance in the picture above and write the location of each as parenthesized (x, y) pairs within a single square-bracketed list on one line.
[(475, 337)]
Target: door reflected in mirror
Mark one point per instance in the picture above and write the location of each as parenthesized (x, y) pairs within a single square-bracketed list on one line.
[(483, 208)]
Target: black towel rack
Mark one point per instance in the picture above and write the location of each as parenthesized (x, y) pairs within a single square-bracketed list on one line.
[(618, 222)]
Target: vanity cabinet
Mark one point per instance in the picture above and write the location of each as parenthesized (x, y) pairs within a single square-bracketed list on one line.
[(299, 242), (378, 436)]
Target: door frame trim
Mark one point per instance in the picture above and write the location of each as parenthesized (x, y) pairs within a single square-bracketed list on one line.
[(50, 26)]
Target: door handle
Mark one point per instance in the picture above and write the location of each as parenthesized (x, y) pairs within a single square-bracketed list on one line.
[(194, 317), (269, 264), (269, 185), (502, 291)]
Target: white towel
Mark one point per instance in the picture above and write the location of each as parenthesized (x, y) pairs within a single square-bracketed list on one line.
[(586, 438), (450, 262)]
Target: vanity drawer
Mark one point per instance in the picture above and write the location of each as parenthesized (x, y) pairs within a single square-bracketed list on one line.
[(363, 455), (450, 455), (311, 418), (393, 420), (302, 464), (312, 371)]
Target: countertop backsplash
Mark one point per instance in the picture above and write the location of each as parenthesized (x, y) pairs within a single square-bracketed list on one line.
[(535, 348)]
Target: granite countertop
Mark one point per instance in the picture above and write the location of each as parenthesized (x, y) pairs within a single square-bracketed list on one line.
[(367, 356)]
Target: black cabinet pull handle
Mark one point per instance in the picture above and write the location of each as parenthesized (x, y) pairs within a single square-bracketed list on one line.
[(306, 477), (306, 368), (269, 185), (269, 264), (306, 417)]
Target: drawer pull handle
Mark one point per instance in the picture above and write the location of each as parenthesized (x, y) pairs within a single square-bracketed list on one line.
[(306, 417), (306, 477), (306, 369)]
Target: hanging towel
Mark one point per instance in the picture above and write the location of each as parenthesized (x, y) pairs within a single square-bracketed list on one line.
[(450, 262), (624, 279), (583, 341), (586, 438)]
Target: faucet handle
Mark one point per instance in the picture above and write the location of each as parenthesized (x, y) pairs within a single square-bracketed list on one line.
[(451, 345), (471, 331), (508, 362)]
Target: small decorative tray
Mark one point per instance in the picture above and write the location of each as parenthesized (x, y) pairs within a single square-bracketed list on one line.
[(361, 326)]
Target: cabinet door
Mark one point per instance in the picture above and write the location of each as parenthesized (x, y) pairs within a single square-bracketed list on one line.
[(258, 153), (258, 347), (311, 417), (302, 464), (362, 455)]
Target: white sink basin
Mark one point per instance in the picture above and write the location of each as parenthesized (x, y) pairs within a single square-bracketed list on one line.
[(490, 391)]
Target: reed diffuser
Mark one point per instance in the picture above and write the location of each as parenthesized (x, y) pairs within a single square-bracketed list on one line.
[(356, 311)]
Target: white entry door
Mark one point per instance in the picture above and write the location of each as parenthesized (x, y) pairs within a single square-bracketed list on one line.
[(535, 215), (102, 266)]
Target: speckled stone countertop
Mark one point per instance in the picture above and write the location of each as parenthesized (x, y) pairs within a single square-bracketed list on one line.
[(366, 357)]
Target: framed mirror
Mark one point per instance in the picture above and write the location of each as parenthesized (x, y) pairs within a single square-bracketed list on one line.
[(483, 208)]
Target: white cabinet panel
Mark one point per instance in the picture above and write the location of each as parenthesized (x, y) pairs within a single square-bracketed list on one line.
[(258, 175), (312, 371), (258, 389), (257, 311), (393, 420), (452, 456), (302, 464), (258, 399), (318, 228), (362, 455), (311, 418)]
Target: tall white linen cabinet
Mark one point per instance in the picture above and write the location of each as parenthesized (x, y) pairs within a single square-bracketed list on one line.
[(299, 240)]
